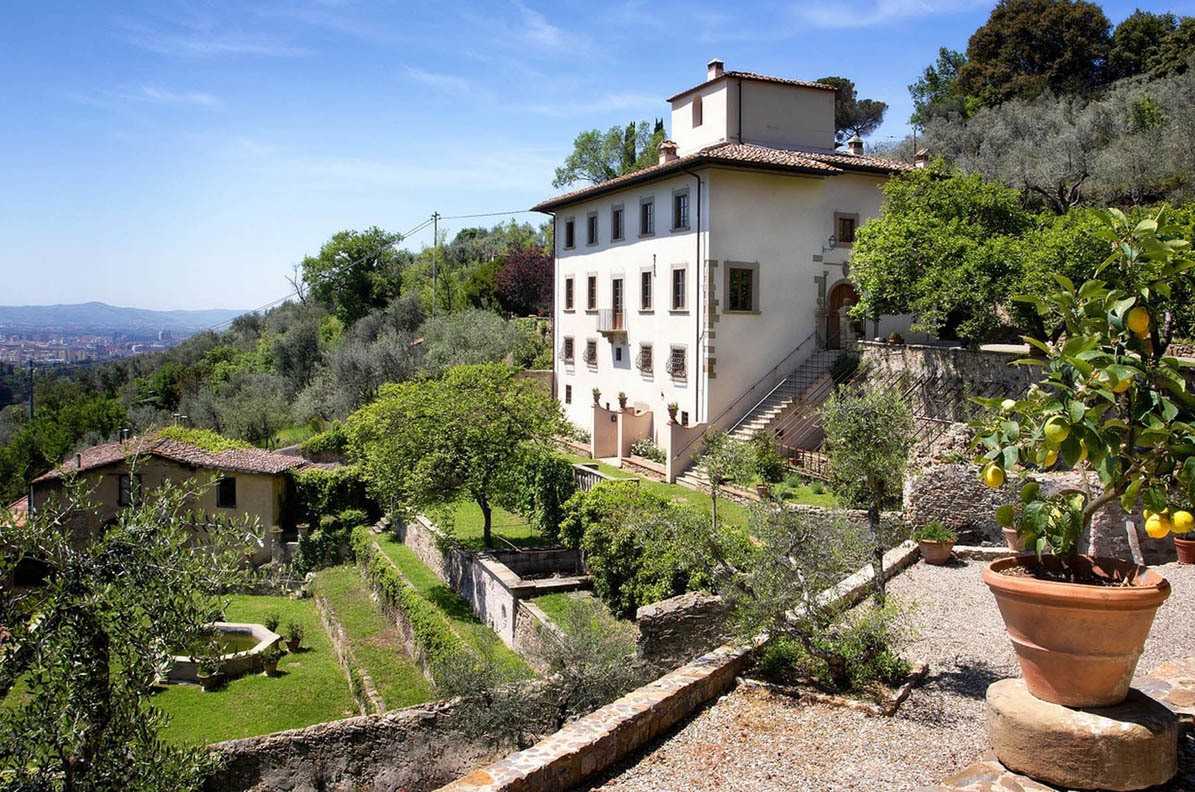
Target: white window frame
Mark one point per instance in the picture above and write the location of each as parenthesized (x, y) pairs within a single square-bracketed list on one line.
[(684, 292), (753, 268), (648, 201), (683, 192), (570, 233), (570, 294), (621, 226)]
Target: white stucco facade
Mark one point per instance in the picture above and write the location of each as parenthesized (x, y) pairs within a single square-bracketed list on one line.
[(764, 203)]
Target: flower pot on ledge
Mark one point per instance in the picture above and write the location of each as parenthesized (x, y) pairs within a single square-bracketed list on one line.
[(1185, 549), (936, 553), (1077, 643)]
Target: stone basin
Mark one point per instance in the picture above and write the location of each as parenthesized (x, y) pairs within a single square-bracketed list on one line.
[(185, 668)]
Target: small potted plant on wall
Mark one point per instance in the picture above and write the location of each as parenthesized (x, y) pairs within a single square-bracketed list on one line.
[(597, 395), (936, 542), (208, 671), (1111, 405), (1181, 525), (622, 400), (269, 659), (294, 636), (673, 407), (272, 621)]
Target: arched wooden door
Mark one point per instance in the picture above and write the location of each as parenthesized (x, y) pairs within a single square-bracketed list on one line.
[(838, 322)]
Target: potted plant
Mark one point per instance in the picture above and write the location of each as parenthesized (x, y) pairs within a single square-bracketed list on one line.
[(597, 395), (936, 542), (272, 621), (763, 489), (208, 671), (673, 407), (294, 636), (269, 659), (622, 400), (1113, 406)]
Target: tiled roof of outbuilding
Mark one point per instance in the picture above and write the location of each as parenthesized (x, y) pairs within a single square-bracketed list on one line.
[(239, 460), (745, 155)]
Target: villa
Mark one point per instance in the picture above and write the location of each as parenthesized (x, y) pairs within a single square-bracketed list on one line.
[(716, 278)]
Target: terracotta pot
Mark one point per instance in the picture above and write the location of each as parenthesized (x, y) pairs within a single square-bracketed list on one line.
[(763, 490), (270, 667), (1013, 540), (1186, 550), (1077, 644), (208, 681), (936, 553), (292, 645)]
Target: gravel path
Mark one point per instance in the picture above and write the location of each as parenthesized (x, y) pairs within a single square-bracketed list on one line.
[(752, 740)]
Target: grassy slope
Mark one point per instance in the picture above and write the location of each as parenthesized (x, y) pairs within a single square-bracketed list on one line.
[(561, 607), (373, 638), (468, 526), (310, 689), (458, 612)]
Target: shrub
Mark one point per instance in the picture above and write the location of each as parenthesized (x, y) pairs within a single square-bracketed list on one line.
[(638, 545), (209, 441), (272, 621), (648, 450), (329, 543), (769, 464), (331, 442), (934, 531), (441, 646), (324, 491)]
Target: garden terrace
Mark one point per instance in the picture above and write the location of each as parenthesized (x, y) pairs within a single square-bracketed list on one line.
[(310, 687), (751, 739)]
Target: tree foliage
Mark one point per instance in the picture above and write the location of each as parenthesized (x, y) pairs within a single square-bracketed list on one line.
[(935, 93), (1030, 46), (429, 443), (1109, 400), (869, 435), (355, 272), (525, 281), (89, 643), (599, 156), (852, 115)]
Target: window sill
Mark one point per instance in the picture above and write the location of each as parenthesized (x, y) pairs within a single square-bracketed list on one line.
[(568, 310), (681, 228), (591, 310), (740, 313), (679, 311), (647, 236)]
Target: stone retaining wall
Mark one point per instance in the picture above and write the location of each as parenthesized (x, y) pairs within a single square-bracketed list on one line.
[(413, 749), (674, 631)]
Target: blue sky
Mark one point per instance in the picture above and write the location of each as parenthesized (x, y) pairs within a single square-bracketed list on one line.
[(174, 154)]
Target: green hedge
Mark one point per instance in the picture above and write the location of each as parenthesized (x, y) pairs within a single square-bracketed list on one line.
[(323, 491), (438, 641), (332, 441)]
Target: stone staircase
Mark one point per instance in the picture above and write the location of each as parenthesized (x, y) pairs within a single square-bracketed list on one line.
[(808, 386)]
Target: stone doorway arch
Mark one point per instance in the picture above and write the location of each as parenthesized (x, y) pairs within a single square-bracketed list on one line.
[(841, 328)]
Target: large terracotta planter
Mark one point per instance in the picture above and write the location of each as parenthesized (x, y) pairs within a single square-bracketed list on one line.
[(1186, 550), (936, 553), (1077, 644)]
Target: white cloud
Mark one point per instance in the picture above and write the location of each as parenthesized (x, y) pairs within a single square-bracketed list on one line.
[(608, 103), (866, 13), (540, 32), (156, 95), (445, 83), (202, 38)]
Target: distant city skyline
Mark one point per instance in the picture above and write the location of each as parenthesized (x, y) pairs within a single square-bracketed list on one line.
[(177, 154)]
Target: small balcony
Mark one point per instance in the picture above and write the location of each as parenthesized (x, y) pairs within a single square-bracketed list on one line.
[(612, 321)]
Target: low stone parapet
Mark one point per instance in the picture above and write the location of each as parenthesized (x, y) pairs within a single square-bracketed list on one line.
[(674, 631)]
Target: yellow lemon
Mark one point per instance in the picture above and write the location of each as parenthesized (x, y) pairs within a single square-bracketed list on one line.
[(1082, 452), (993, 476), (1050, 458), (1139, 321), (1182, 522), (1056, 432), (1122, 385), (1007, 406), (1157, 526)]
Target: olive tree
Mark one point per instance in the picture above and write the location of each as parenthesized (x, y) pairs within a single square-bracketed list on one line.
[(81, 652), (869, 434), (431, 442)]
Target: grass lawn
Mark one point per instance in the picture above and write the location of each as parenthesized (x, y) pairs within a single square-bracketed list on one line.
[(459, 614), (566, 608), (291, 435), (468, 526), (373, 638), (310, 687), (794, 489)]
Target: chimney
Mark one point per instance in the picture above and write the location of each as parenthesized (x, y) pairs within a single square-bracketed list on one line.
[(667, 152), (855, 145), (715, 69), (921, 158)]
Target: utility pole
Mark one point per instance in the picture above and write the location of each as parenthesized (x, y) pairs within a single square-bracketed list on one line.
[(435, 255), (29, 496)]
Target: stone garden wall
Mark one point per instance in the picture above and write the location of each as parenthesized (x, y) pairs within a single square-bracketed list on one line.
[(414, 749), (954, 494), (674, 631)]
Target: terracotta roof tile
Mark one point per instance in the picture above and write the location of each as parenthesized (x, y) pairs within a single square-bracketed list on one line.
[(746, 75), (741, 154), (241, 460)]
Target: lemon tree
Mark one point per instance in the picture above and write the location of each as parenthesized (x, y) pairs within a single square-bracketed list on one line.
[(1109, 401)]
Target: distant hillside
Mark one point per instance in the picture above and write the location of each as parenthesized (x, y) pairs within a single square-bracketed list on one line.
[(97, 317)]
